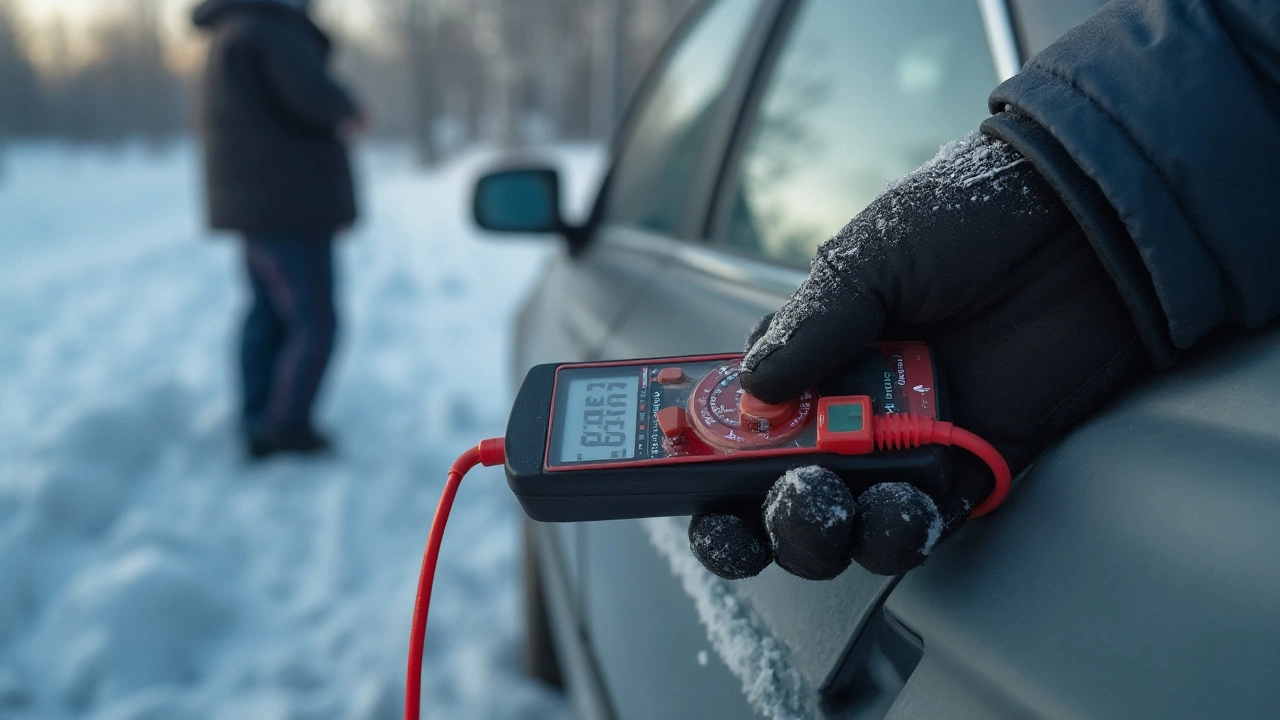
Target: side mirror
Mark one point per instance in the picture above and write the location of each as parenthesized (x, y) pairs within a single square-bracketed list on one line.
[(519, 201)]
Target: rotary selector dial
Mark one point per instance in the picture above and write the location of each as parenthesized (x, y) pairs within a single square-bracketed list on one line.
[(716, 411)]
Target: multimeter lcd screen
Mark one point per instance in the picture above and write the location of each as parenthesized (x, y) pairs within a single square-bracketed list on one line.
[(600, 418)]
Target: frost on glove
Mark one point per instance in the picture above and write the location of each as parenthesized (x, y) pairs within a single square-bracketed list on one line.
[(974, 253)]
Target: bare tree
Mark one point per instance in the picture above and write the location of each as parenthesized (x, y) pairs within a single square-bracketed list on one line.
[(506, 71), (435, 72), (421, 39), (434, 45), (125, 89), (19, 85)]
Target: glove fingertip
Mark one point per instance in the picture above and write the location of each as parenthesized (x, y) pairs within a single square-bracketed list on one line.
[(809, 514), (776, 371), (899, 525), (731, 546), (808, 340)]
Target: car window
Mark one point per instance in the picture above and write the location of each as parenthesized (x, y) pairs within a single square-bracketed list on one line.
[(862, 92), (1040, 22), (652, 176)]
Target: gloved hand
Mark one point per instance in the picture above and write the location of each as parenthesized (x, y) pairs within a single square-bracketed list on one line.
[(975, 253)]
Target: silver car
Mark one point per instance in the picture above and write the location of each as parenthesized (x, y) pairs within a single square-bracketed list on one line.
[(1133, 573)]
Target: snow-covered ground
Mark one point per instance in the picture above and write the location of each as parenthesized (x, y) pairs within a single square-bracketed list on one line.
[(147, 571)]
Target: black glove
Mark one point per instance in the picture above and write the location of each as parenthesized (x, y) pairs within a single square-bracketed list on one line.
[(975, 253)]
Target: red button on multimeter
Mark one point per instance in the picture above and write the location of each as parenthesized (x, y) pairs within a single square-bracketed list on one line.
[(671, 376), (678, 436), (674, 422)]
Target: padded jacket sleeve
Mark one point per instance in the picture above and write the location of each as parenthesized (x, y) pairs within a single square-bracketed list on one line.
[(1159, 122)]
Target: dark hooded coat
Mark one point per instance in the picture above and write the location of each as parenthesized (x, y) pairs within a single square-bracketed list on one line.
[(1159, 123), (269, 114)]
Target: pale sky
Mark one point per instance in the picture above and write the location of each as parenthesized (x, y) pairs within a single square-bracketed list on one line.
[(80, 14)]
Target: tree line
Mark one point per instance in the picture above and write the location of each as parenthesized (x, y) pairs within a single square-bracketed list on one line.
[(438, 73)]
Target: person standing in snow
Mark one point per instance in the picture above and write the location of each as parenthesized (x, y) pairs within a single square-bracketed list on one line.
[(1117, 208), (275, 128)]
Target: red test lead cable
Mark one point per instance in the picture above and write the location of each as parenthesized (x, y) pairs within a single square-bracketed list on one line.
[(888, 432), (896, 431), (488, 453)]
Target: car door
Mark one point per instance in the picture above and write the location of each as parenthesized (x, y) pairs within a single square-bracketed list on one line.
[(665, 161), (850, 95)]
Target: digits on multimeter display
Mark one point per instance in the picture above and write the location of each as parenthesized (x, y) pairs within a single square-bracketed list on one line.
[(600, 418)]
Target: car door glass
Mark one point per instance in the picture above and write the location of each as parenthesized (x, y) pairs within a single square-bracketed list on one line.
[(863, 91), (1040, 23), (655, 167)]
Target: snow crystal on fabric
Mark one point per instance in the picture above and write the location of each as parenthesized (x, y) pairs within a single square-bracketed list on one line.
[(813, 493), (935, 530), (913, 504), (976, 163), (727, 546)]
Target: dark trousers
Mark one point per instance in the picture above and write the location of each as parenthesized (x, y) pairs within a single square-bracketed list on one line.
[(289, 332)]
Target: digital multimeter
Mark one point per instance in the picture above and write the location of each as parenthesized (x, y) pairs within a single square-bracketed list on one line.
[(679, 436)]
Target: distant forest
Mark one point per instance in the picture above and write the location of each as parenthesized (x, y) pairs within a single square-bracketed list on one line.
[(439, 73)]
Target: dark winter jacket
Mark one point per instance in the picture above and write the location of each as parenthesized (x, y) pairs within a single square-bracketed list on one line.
[(269, 115), (1159, 122)]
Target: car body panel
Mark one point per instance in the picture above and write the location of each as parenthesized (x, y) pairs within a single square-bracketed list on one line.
[(578, 666), (654, 656), (1134, 572)]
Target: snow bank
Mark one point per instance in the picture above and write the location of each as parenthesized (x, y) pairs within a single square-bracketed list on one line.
[(148, 571)]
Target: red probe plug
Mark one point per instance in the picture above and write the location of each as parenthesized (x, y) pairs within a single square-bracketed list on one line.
[(848, 426), (901, 430)]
